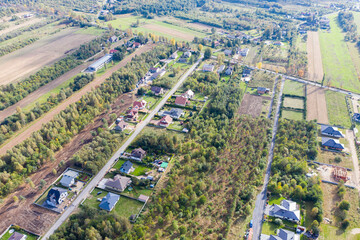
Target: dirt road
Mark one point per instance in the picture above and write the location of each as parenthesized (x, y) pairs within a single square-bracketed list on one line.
[(37, 219), (72, 99), (316, 104), (315, 67), (354, 157)]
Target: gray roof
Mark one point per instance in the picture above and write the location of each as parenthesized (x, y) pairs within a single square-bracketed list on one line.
[(71, 173), (332, 143), (285, 234), (283, 212), (329, 130), (101, 61), (174, 112), (109, 201), (16, 236), (119, 182), (66, 181), (126, 167)]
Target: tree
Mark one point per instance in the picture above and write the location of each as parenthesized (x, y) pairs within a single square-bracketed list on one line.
[(345, 223), (278, 222), (200, 47), (314, 211), (54, 172), (15, 199), (42, 184), (213, 30), (207, 54), (344, 205)]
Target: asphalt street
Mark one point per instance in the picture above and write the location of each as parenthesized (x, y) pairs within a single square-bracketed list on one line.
[(83, 194)]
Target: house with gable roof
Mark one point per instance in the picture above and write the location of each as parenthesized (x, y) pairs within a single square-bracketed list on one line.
[(287, 210)]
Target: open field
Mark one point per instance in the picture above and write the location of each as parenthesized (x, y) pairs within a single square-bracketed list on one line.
[(13, 26), (73, 98), (294, 102), (25, 61), (315, 64), (292, 115), (252, 105), (337, 109), (155, 26), (316, 104), (294, 88), (338, 65), (35, 218)]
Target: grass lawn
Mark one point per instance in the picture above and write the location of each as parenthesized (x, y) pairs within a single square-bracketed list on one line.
[(338, 65), (328, 157), (136, 194), (43, 197), (269, 228), (294, 102), (275, 200), (294, 88), (292, 115), (91, 31), (301, 44), (176, 126), (139, 169), (29, 236), (337, 109)]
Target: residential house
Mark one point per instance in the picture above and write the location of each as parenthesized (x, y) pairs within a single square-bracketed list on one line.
[(208, 68), (356, 117), (109, 201), (221, 69), (112, 51), (120, 126), (113, 39), (138, 154), (182, 60), (246, 72), (282, 234), (187, 54), (174, 55), (158, 74), (228, 52), (229, 71), (216, 43), (154, 69), (165, 121), (127, 167), (262, 90), (17, 236), (181, 101), (157, 90), (136, 45), (143, 198), (332, 144), (230, 36), (331, 131), (244, 52), (119, 183), (188, 94), (277, 44), (287, 210), (132, 114), (68, 178), (56, 196), (174, 113), (140, 104)]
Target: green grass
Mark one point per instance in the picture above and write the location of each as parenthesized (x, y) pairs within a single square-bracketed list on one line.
[(7, 235), (269, 228), (294, 88), (91, 31), (275, 200), (43, 197), (139, 190), (292, 115), (294, 102), (125, 207), (337, 109), (338, 65), (301, 44), (139, 169)]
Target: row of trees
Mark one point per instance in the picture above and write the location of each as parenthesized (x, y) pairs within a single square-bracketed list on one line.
[(346, 22)]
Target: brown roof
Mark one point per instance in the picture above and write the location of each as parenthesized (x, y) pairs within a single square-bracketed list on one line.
[(166, 119), (181, 101), (119, 182)]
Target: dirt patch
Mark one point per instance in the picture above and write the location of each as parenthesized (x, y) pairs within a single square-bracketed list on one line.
[(252, 105), (315, 67), (72, 99), (23, 62), (330, 191), (21, 25), (316, 104), (274, 68), (37, 219), (175, 33)]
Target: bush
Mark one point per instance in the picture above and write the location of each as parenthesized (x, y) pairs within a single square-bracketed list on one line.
[(344, 205), (278, 222), (345, 223), (337, 159)]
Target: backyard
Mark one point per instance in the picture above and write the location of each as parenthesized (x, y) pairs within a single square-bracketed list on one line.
[(29, 236)]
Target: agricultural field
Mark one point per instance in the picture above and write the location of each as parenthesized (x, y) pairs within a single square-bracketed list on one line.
[(315, 62), (316, 104), (294, 88), (293, 103), (338, 65), (262, 79), (292, 115), (337, 109), (156, 27), (23, 62), (254, 105), (275, 55)]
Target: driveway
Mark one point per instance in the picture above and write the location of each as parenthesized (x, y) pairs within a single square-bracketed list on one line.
[(354, 157)]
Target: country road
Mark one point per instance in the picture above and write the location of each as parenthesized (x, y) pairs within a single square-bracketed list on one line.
[(83, 195), (261, 197)]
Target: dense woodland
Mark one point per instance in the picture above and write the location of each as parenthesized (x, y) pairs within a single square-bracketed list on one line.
[(31, 154)]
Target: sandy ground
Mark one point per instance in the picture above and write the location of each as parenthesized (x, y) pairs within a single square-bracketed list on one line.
[(21, 25), (37, 219), (175, 33), (316, 104), (23, 62), (351, 139), (315, 67), (252, 105), (72, 99), (355, 103)]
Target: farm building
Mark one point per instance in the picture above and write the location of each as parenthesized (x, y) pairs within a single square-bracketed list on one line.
[(100, 63), (109, 201), (340, 173), (331, 131), (332, 144)]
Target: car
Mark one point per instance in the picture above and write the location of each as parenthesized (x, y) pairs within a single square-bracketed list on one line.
[(98, 193)]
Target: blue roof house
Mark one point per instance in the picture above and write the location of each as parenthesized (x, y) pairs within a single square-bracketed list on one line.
[(332, 144), (109, 201), (331, 131), (127, 167)]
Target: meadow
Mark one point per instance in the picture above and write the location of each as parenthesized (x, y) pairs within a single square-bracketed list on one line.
[(337, 109)]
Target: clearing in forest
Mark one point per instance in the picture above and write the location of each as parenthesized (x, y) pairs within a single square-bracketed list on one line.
[(316, 104), (252, 105), (315, 67)]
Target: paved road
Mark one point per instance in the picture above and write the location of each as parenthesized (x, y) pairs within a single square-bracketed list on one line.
[(261, 197), (83, 195)]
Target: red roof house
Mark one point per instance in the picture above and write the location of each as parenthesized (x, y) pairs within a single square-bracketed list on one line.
[(140, 104), (181, 101), (165, 121), (132, 114)]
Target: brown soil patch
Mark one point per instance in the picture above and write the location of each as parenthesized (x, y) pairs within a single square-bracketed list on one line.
[(274, 68), (21, 25), (316, 104), (252, 105), (72, 99), (23, 62), (315, 67), (37, 219), (175, 33)]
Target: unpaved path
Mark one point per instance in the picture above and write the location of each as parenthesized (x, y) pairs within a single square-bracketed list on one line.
[(316, 104), (351, 140), (315, 67), (72, 99), (355, 104), (37, 219)]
